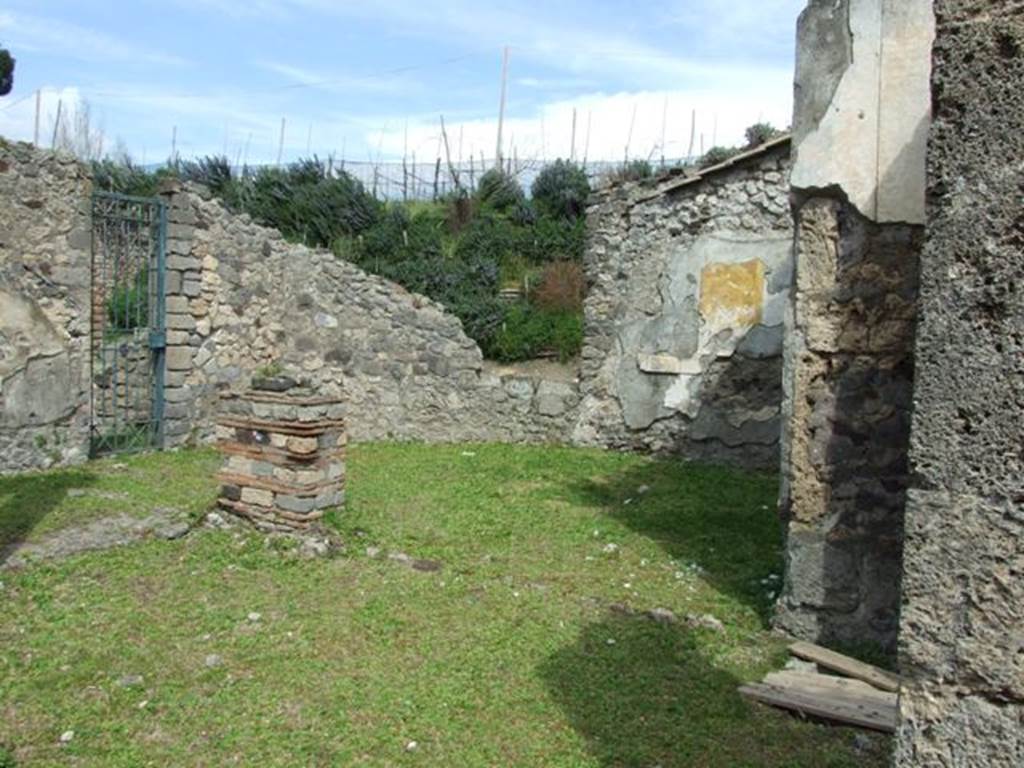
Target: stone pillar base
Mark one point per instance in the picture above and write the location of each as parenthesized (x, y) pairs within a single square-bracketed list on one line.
[(284, 451)]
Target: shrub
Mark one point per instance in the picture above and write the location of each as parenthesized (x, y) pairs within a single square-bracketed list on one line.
[(634, 170), (128, 305), (555, 239), (125, 177), (717, 155), (307, 204), (213, 172), (528, 332), (759, 133), (560, 288), (561, 189), (490, 237), (499, 191)]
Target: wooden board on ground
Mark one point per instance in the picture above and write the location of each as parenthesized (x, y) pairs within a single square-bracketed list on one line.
[(815, 682), (848, 705), (837, 662)]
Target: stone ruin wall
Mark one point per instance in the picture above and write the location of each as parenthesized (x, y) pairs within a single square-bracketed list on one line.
[(241, 298), (962, 630), (687, 286), (862, 87), (44, 308)]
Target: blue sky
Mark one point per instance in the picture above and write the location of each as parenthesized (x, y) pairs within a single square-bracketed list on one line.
[(372, 78)]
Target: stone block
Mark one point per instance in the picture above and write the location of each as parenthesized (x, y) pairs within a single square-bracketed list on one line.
[(178, 358), (554, 398), (181, 322), (300, 505), (181, 262), (258, 497), (302, 445)]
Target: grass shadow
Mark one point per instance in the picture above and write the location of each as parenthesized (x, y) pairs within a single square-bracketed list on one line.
[(642, 693), (723, 520), (26, 499)]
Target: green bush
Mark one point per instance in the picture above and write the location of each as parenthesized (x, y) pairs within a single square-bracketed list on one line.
[(126, 178), (759, 133), (634, 170), (307, 204), (561, 189), (528, 332), (717, 155), (128, 305), (213, 172), (555, 239), (500, 191)]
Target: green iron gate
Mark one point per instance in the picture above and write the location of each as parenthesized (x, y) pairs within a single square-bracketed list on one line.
[(127, 336)]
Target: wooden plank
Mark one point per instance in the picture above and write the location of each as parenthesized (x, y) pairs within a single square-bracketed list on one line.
[(865, 714), (885, 681), (813, 681)]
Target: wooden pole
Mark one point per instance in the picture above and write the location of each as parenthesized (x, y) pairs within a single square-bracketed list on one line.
[(405, 167), (452, 171), (693, 135), (56, 124), (572, 140), (501, 106), (664, 125), (174, 144), (39, 104), (629, 136), (280, 144), (309, 141), (586, 146)]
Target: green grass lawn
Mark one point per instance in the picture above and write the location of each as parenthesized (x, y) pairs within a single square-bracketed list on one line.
[(528, 648)]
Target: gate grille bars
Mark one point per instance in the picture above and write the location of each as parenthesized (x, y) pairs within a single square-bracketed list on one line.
[(127, 331)]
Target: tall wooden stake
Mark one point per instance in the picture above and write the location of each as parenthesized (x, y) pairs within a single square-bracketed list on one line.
[(39, 104), (693, 135), (664, 125), (280, 144), (501, 106), (629, 136), (586, 145), (174, 144), (572, 140), (56, 124)]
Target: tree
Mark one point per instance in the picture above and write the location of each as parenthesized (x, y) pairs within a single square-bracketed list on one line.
[(79, 134), (6, 72)]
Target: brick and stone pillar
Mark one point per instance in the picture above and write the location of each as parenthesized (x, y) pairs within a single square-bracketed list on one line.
[(859, 133), (284, 450), (961, 644), (181, 285)]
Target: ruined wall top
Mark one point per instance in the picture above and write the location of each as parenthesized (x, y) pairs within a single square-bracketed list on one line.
[(853, 57)]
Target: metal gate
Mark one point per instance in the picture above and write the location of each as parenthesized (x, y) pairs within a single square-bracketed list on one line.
[(127, 336)]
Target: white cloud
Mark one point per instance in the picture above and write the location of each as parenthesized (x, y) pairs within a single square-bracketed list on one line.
[(17, 119), (77, 42), (547, 134), (337, 83)]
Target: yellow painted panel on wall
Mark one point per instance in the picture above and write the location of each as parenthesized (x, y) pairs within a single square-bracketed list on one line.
[(732, 295)]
